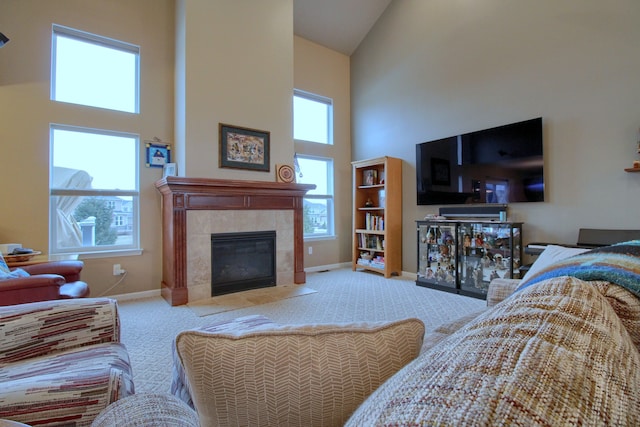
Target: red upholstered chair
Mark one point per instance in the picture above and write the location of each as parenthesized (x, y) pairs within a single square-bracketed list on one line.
[(46, 281)]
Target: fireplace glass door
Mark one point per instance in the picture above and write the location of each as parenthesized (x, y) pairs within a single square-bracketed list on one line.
[(242, 261)]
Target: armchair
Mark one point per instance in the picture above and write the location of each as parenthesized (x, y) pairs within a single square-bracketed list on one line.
[(46, 281), (62, 362)]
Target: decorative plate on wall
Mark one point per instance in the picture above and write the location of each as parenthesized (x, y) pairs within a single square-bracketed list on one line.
[(284, 173)]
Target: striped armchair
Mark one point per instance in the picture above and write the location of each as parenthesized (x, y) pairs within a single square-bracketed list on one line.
[(61, 361)]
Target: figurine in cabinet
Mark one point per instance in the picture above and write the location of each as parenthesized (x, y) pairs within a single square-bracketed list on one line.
[(447, 237), (467, 241), (429, 273), (498, 261), (444, 250), (486, 261), (494, 275), (477, 276)]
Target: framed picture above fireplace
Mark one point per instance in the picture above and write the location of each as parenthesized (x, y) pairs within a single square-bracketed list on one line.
[(244, 148)]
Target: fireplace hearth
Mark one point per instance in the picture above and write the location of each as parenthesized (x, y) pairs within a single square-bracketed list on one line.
[(193, 208), (242, 261)]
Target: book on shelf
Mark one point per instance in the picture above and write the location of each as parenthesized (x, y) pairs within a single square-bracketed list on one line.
[(374, 222), (367, 241), (377, 262)]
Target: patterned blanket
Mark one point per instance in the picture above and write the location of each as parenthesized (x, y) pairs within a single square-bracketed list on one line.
[(561, 353), (619, 264)]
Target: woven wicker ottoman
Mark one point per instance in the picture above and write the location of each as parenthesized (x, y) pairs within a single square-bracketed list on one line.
[(147, 409)]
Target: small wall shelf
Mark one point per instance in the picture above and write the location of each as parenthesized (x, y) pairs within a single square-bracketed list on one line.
[(632, 169)]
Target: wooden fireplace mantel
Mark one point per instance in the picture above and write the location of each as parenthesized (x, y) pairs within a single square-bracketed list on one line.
[(180, 194)]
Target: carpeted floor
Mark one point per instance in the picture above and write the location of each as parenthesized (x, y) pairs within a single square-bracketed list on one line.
[(150, 325)]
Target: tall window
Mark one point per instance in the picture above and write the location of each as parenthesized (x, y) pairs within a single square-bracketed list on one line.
[(313, 123), (317, 203), (93, 202), (94, 190)]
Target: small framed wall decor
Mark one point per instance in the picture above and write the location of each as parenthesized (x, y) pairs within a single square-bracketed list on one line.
[(158, 154), (169, 169), (244, 148)]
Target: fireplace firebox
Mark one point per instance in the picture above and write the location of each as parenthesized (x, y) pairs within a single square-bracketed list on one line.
[(242, 261)]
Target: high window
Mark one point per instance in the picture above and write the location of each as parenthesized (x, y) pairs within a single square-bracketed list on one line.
[(312, 125), (93, 173), (95, 71)]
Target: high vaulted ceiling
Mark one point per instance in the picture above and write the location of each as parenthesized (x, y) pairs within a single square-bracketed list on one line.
[(337, 24)]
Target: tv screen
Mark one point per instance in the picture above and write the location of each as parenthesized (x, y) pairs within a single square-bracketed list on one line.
[(498, 165)]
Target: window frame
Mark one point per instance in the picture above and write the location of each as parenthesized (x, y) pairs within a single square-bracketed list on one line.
[(103, 250), (106, 42), (322, 100), (329, 198)]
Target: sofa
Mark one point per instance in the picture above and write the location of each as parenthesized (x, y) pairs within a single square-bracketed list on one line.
[(61, 361), (561, 347), (41, 282)]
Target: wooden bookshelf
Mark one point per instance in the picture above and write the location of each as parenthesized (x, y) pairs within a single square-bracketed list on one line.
[(377, 215)]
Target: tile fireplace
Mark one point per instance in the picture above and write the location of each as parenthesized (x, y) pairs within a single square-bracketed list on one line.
[(195, 208)]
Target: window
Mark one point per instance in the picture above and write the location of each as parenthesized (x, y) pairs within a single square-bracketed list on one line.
[(313, 123), (317, 203), (95, 71), (312, 118), (94, 190), (93, 207)]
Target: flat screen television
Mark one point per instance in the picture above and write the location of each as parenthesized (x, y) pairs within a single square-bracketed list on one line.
[(500, 165)]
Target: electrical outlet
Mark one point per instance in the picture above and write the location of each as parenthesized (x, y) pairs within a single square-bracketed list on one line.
[(310, 250), (117, 270)]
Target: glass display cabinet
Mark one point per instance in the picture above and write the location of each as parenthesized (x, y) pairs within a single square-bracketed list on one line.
[(464, 256)]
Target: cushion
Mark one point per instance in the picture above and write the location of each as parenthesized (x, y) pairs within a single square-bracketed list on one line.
[(4, 268), (315, 374), (6, 273), (554, 354), (14, 274), (550, 255), (179, 382), (73, 385)]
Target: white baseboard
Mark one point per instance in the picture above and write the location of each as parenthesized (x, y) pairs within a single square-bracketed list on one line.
[(410, 275), (327, 267), (404, 274), (135, 295)]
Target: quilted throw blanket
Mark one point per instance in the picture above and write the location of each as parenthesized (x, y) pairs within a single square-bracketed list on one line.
[(561, 353), (619, 264)]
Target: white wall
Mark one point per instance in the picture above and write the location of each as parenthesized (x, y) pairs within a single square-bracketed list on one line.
[(432, 69)]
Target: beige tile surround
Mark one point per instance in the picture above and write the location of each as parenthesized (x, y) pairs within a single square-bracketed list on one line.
[(202, 223)]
